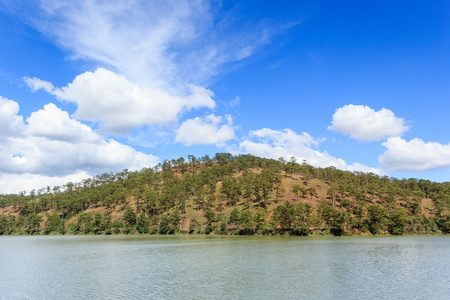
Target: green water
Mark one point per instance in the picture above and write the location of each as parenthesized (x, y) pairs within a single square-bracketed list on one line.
[(207, 267)]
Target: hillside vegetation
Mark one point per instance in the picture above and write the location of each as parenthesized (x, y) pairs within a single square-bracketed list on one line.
[(230, 194)]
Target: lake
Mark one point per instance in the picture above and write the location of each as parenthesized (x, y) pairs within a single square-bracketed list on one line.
[(224, 267)]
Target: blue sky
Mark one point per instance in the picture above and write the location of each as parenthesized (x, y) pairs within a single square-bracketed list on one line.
[(88, 87)]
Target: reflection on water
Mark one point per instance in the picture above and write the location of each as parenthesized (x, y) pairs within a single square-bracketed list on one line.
[(207, 267)]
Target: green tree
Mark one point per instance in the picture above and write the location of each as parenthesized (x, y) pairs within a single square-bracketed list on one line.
[(33, 223), (293, 218), (84, 222), (96, 224), (313, 193), (332, 218), (6, 226), (260, 218), (142, 225), (397, 221), (231, 189), (169, 223), (375, 218), (234, 216), (129, 216), (246, 223), (285, 215), (262, 187), (53, 224)]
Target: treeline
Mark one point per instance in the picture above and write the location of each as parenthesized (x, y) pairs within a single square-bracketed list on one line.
[(229, 194)]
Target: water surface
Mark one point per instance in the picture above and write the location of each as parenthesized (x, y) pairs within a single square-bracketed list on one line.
[(215, 267)]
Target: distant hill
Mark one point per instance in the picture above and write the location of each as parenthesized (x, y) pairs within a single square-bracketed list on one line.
[(230, 194)]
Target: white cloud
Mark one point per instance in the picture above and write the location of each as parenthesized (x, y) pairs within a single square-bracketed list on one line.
[(365, 124), (415, 155), (10, 122), (152, 43), (59, 158), (205, 131), (286, 143), (36, 84), (235, 101), (15, 183), (131, 37), (53, 145), (285, 137), (53, 123), (119, 105)]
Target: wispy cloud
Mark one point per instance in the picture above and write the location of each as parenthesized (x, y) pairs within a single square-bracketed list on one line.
[(152, 43)]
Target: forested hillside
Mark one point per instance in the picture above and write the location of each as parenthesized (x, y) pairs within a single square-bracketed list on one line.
[(230, 194)]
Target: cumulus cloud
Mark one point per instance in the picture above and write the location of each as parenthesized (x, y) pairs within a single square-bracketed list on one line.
[(15, 183), (36, 155), (55, 124), (365, 124), (287, 143), (51, 144), (119, 105), (415, 155), (10, 122), (206, 131)]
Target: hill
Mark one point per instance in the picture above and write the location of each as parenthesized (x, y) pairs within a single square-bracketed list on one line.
[(230, 194)]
